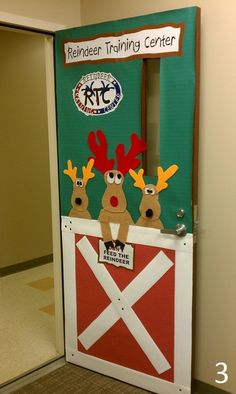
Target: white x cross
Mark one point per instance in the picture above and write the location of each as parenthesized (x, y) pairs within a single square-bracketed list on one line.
[(121, 303)]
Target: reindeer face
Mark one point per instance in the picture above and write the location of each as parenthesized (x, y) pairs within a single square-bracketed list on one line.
[(114, 198), (150, 190), (79, 199), (149, 207)]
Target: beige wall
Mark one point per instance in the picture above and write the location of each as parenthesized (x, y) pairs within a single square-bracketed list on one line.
[(216, 295), (216, 277), (62, 12), (25, 211)]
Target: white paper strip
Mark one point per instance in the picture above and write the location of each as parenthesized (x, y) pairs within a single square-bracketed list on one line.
[(150, 275), (155, 40)]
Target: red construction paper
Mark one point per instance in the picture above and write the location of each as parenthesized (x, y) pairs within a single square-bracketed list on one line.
[(155, 309)]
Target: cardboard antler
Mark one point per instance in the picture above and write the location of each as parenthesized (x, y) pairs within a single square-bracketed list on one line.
[(87, 173), (138, 177), (100, 151), (71, 172), (129, 160), (163, 176)]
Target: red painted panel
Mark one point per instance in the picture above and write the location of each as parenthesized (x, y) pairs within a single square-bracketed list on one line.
[(155, 310)]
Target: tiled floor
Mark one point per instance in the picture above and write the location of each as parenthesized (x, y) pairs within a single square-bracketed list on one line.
[(27, 323)]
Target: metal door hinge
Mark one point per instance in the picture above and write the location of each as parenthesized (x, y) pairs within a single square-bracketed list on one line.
[(195, 223)]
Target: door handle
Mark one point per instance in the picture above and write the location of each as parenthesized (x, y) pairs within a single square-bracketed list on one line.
[(179, 230)]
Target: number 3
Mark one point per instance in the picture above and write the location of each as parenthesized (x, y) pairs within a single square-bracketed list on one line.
[(223, 372)]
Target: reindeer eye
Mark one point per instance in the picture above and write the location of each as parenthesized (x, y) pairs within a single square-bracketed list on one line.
[(79, 182), (118, 179), (149, 191), (110, 177)]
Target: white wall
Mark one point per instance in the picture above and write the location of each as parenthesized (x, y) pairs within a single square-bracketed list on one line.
[(64, 13), (216, 268)]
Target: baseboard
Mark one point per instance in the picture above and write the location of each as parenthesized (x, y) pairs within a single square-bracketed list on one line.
[(199, 387), (12, 269)]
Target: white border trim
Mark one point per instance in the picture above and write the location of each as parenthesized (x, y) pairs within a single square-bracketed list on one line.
[(68, 244), (183, 318), (127, 375), (141, 235), (54, 187), (183, 305)]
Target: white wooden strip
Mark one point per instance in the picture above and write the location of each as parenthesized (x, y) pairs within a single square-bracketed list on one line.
[(183, 318), (68, 242), (153, 272), (54, 189), (137, 235), (99, 326), (81, 226), (127, 314), (127, 375), (157, 267)]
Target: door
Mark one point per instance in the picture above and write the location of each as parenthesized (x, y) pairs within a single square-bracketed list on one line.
[(127, 225), (30, 272)]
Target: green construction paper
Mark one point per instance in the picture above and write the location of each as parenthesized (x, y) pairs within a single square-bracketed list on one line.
[(177, 94)]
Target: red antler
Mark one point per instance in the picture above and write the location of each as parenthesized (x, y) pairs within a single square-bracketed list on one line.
[(101, 163), (127, 161)]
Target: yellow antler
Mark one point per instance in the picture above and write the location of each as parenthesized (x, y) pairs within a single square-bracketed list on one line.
[(87, 174), (163, 176), (71, 172), (138, 177)]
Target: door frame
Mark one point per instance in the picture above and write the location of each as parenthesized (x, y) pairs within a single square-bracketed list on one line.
[(14, 21), (192, 212)]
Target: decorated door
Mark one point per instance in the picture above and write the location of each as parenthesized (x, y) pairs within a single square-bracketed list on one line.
[(129, 195)]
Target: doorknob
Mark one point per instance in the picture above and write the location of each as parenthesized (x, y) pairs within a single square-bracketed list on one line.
[(179, 230)]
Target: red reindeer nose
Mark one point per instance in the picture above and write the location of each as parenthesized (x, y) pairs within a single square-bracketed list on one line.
[(114, 201)]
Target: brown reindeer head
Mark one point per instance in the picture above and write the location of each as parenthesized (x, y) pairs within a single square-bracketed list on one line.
[(149, 208), (114, 198), (79, 198)]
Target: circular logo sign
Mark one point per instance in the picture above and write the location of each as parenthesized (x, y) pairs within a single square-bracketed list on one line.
[(97, 93)]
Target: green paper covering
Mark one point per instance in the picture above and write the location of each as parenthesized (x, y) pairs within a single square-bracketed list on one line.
[(177, 107)]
